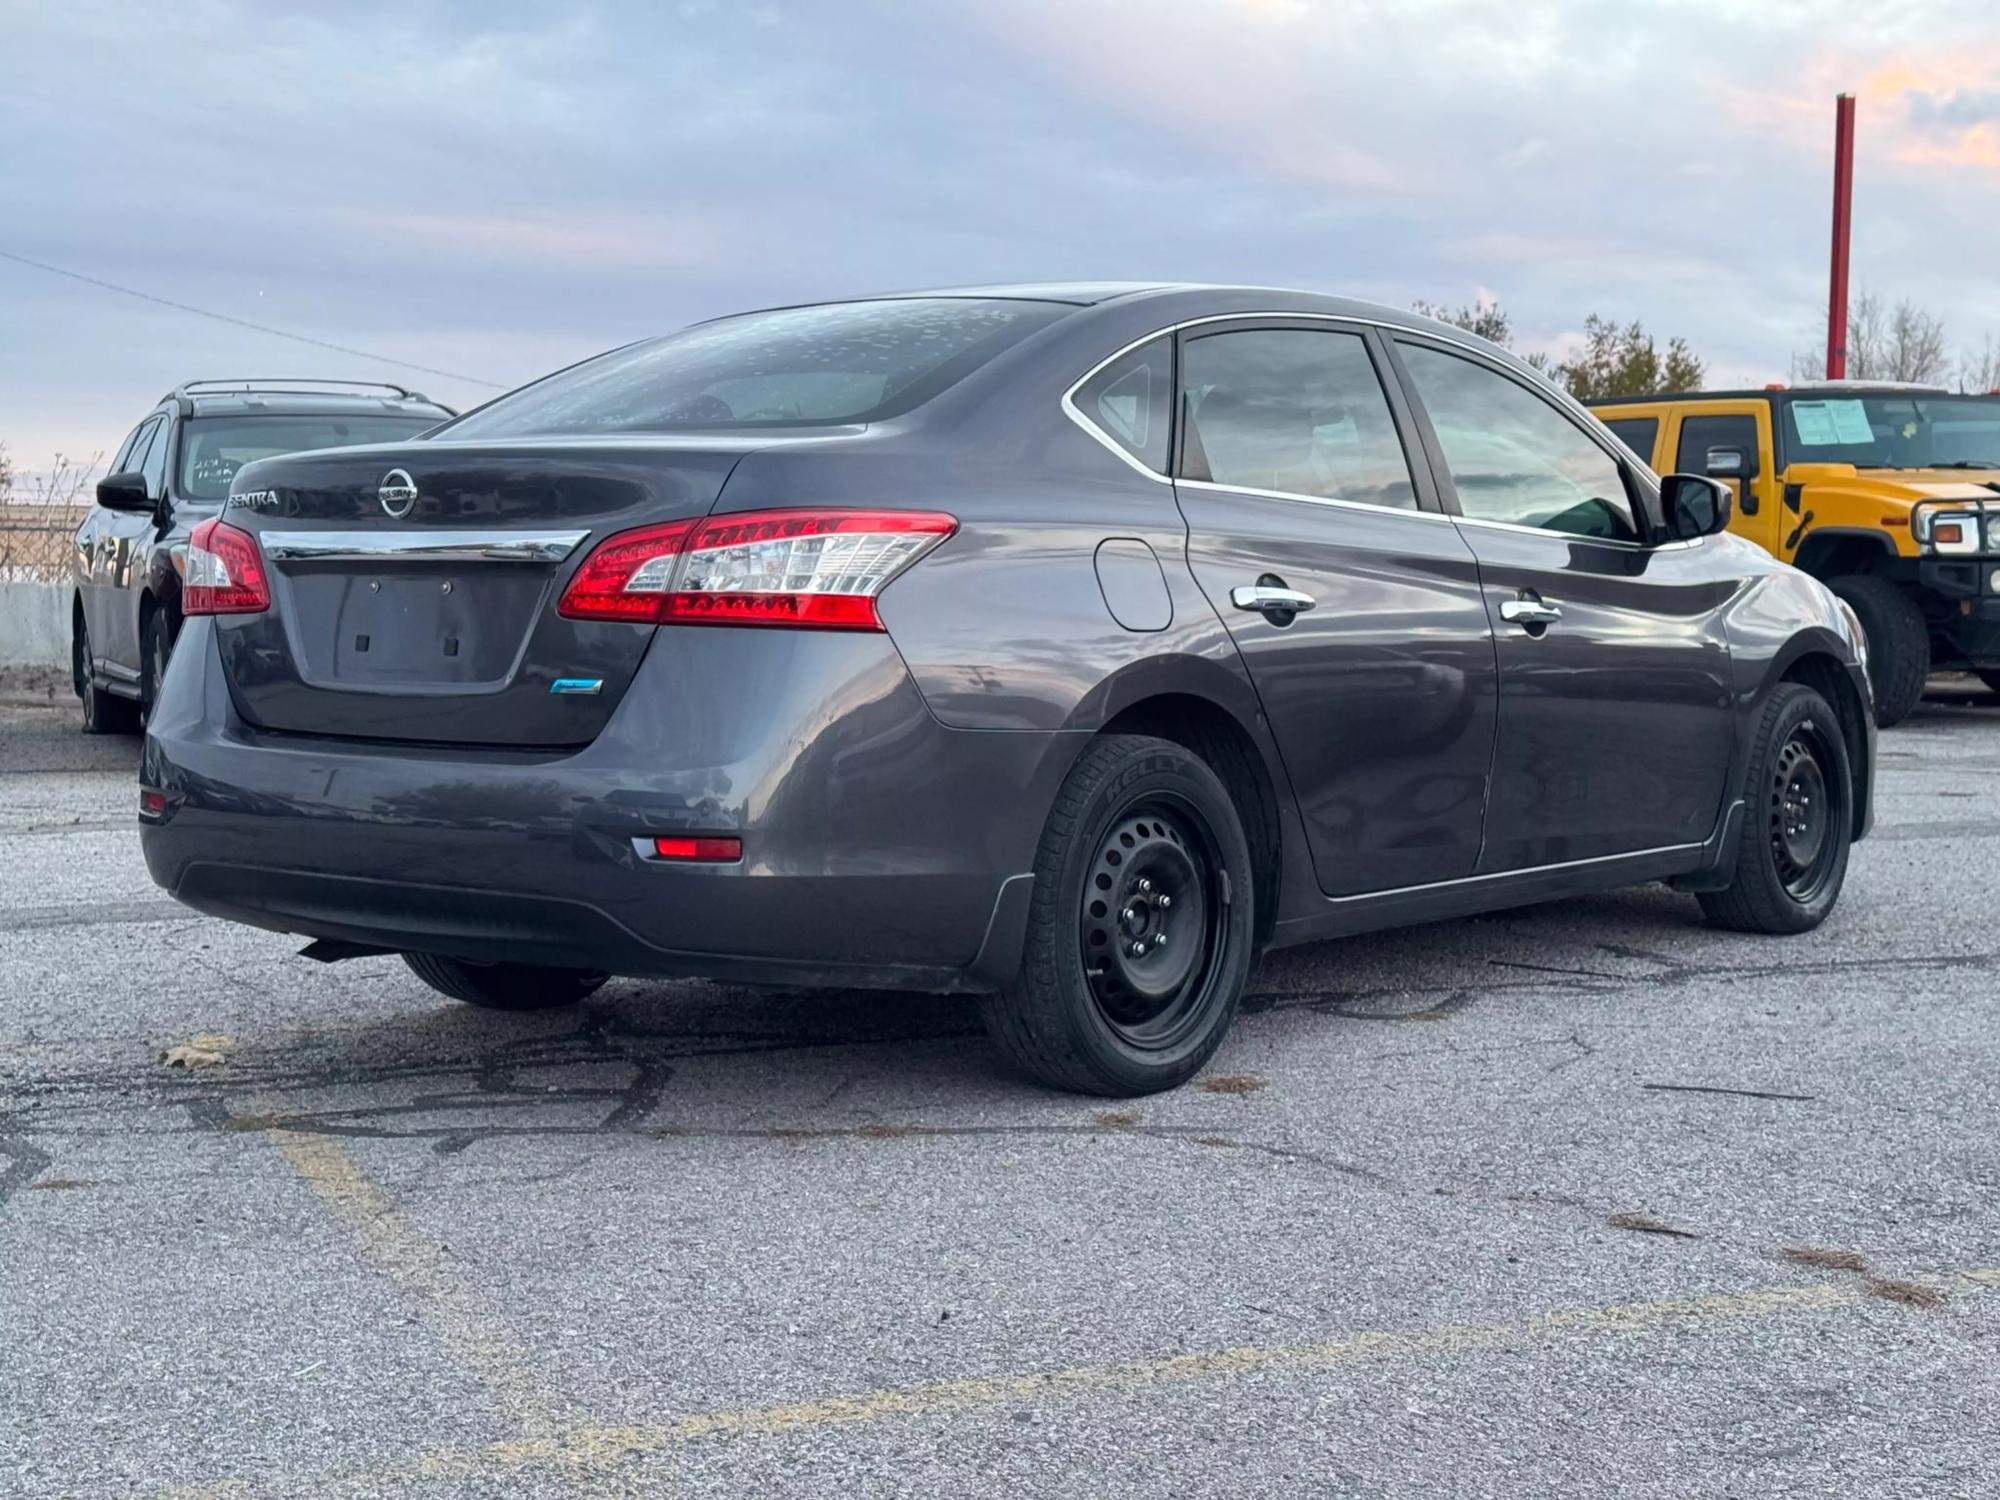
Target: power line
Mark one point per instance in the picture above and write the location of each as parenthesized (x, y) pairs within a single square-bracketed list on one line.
[(202, 312)]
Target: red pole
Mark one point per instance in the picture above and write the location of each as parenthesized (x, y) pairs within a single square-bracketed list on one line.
[(1843, 223)]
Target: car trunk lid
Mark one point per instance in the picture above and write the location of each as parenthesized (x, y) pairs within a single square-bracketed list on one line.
[(414, 587)]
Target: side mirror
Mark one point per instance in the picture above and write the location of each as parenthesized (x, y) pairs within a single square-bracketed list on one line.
[(1694, 505), (126, 491), (1727, 463)]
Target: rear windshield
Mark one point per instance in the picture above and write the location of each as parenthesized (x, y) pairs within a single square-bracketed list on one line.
[(808, 366), (214, 448)]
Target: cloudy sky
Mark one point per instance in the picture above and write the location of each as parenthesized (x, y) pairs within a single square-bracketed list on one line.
[(495, 189)]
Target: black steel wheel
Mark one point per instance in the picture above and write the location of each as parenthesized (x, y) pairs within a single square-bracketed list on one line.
[(1140, 928), (1151, 921), (1798, 820), (1802, 812)]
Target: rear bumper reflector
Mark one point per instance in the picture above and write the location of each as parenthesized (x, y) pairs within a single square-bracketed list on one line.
[(156, 806), (697, 850)]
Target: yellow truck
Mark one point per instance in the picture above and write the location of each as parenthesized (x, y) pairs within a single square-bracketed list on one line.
[(1888, 493)]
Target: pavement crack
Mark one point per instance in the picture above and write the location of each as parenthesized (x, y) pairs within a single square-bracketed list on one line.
[(1705, 1088)]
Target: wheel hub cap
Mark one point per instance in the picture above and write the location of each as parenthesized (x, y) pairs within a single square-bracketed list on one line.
[(1145, 919), (1807, 813), (1801, 812)]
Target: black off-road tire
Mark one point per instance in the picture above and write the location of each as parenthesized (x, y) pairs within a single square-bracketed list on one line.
[(1054, 1022), (1899, 643), (503, 986), (1768, 894), (103, 712)]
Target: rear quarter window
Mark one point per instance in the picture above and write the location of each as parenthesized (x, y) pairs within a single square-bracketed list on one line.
[(1130, 402)]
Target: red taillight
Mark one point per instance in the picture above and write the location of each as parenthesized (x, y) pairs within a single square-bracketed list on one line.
[(816, 568), (627, 576), (706, 850), (225, 573)]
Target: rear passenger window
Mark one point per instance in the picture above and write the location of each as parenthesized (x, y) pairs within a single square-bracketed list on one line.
[(1637, 433), (1295, 411), (1513, 456), (1130, 401)]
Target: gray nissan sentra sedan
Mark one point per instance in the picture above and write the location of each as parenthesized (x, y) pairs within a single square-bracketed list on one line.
[(1064, 644)]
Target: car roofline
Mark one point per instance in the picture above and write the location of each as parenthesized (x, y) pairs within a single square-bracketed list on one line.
[(1818, 391)]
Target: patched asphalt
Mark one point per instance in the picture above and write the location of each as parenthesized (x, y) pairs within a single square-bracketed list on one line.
[(1494, 1207)]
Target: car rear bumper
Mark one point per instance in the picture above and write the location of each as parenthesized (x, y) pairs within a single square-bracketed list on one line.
[(880, 848)]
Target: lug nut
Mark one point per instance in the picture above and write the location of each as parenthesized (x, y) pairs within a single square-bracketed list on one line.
[(1159, 940), (1144, 886), (1165, 902), (1138, 950), (1130, 914)]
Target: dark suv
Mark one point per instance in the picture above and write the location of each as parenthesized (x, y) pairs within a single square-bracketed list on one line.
[(172, 472), (1066, 644)]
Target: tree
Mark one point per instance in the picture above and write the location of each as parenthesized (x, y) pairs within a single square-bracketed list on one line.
[(1979, 370), (1904, 342), (6, 476), (1486, 319), (67, 482), (1916, 346), (1624, 361)]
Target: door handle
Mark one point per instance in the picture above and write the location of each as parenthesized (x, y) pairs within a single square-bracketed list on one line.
[(1530, 612), (1266, 599)]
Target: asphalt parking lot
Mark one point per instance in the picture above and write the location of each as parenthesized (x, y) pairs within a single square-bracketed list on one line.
[(1553, 1202)]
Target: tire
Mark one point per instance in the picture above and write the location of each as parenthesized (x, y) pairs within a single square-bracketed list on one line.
[(1798, 825), (1104, 1003), (504, 986), (1899, 643), (103, 712), (153, 662)]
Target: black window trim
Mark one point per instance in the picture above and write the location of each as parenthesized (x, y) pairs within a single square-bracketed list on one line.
[(1641, 497)]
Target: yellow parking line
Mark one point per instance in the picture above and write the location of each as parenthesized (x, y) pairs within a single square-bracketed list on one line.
[(597, 1450), (475, 1339), (479, 1341)]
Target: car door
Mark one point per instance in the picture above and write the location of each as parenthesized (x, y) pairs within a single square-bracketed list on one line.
[(1732, 442), (1615, 724), (127, 537), (97, 548), (1352, 598)]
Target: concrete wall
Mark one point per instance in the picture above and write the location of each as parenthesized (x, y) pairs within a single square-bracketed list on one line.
[(34, 639)]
